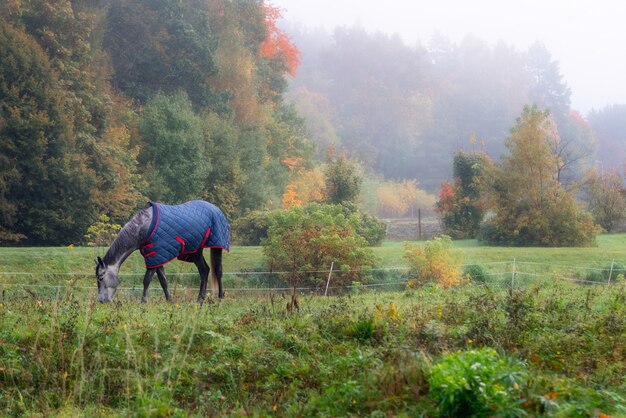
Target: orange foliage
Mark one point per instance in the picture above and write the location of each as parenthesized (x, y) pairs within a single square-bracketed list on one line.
[(290, 197), (307, 187), (277, 43), (446, 198)]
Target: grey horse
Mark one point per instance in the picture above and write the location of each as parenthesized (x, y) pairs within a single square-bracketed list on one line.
[(163, 233)]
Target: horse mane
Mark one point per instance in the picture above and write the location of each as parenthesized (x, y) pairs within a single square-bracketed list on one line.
[(129, 237)]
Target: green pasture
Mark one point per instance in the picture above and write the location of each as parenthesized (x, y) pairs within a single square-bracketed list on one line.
[(75, 265), (81, 259), (545, 348)]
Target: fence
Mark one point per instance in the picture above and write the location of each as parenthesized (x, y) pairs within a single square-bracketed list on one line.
[(184, 286)]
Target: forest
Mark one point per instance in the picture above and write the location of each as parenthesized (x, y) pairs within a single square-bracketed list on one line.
[(106, 104)]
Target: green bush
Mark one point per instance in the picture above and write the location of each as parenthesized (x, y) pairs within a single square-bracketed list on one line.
[(476, 273), (478, 383), (304, 240), (253, 228)]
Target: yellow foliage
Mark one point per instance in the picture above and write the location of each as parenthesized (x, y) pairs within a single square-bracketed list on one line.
[(290, 197), (307, 187), (435, 262)]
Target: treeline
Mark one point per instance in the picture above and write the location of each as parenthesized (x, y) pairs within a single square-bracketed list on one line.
[(405, 110), (107, 103)]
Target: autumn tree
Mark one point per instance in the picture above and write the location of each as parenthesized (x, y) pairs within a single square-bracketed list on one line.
[(606, 196), (460, 206), (529, 205)]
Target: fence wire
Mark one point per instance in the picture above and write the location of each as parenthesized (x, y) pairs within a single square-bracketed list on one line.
[(185, 286)]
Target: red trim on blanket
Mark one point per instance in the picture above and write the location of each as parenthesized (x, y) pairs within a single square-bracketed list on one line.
[(206, 237), (156, 224), (160, 265), (182, 243)]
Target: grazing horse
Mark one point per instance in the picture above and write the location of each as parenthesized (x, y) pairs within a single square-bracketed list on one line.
[(163, 233)]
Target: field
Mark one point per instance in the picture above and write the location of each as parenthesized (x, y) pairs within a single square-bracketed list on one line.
[(533, 343)]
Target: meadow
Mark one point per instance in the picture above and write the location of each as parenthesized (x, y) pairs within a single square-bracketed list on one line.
[(547, 346)]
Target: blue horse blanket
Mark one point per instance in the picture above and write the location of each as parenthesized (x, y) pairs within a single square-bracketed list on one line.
[(176, 231)]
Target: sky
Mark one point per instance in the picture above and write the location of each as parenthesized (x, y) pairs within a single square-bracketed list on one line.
[(587, 38)]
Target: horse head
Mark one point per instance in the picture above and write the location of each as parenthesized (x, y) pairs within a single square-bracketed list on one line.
[(108, 279)]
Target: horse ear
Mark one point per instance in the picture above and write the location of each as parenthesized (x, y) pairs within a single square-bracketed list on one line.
[(99, 262)]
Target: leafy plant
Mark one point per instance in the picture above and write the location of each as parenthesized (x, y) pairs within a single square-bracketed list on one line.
[(478, 383), (434, 262), (302, 240), (476, 273), (102, 232)]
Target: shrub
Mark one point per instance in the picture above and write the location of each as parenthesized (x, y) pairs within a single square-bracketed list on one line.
[(477, 383), (253, 228), (102, 232), (434, 262), (476, 273), (302, 240)]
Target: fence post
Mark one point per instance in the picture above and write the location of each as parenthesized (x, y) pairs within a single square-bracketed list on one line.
[(513, 275), (611, 271), (419, 224), (329, 274)]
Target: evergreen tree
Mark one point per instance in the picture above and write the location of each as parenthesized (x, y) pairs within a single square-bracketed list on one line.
[(44, 179)]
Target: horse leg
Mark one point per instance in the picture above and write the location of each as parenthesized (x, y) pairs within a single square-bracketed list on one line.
[(147, 278), (216, 276), (203, 270), (161, 275)]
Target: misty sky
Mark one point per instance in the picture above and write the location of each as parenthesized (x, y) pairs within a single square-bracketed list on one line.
[(588, 38)]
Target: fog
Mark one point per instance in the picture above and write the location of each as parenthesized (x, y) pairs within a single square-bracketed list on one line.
[(587, 38)]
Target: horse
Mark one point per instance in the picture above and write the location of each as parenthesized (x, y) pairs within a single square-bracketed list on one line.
[(163, 233)]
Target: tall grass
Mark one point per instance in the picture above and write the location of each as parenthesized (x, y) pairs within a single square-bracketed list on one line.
[(370, 354)]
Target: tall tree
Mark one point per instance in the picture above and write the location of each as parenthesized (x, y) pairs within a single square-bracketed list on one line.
[(460, 206), (530, 206), (548, 90), (44, 179), (174, 155), (162, 45), (609, 127), (606, 196)]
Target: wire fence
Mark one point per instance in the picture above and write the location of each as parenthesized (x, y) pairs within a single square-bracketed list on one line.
[(184, 286)]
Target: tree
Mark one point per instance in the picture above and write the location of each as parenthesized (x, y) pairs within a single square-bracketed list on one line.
[(343, 183), (609, 127), (175, 156), (530, 206), (572, 143), (162, 46), (548, 91), (606, 196), (460, 206), (45, 177)]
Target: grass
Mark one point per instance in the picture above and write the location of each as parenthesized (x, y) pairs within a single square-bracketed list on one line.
[(559, 347), (80, 259)]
